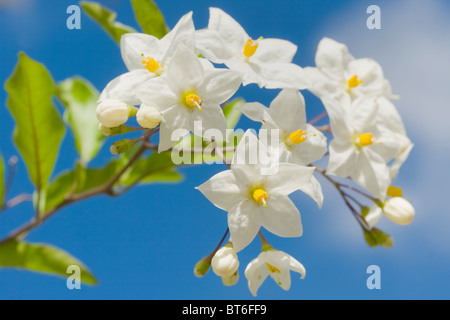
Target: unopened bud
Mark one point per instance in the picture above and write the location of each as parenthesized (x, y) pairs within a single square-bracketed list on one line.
[(225, 262), (148, 117), (108, 132), (202, 267), (113, 113), (121, 146), (399, 210), (231, 280)]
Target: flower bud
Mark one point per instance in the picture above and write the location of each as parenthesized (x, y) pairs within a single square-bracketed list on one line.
[(113, 113), (108, 132), (148, 117), (231, 280), (399, 210), (202, 267), (121, 146), (225, 262)]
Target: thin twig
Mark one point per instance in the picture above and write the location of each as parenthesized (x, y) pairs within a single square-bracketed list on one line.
[(71, 198)]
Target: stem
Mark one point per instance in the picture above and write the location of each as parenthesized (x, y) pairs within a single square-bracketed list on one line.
[(344, 196), (71, 198), (319, 117)]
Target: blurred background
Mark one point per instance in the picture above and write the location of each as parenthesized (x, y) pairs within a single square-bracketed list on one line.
[(145, 244)]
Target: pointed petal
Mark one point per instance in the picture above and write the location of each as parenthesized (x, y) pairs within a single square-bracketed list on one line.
[(289, 178), (372, 173), (275, 50), (233, 35), (173, 118), (185, 71), (244, 223), (314, 190), (256, 272), (342, 159), (223, 190), (281, 217), (219, 85), (288, 110), (332, 58), (124, 87), (133, 45)]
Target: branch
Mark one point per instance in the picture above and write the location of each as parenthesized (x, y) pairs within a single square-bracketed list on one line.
[(72, 198)]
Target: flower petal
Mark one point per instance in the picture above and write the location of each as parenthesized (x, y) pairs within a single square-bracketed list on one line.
[(223, 190), (183, 32), (157, 93), (281, 217), (133, 45), (371, 173), (275, 50), (244, 223), (124, 87), (185, 71), (219, 85), (288, 110), (289, 178), (211, 117), (211, 45), (173, 118), (233, 35), (283, 76), (374, 216), (332, 58), (342, 159), (256, 272)]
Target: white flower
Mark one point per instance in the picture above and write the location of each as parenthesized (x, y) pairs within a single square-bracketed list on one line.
[(147, 57), (298, 142), (275, 263), (189, 95), (338, 74), (225, 262), (362, 146), (148, 117), (266, 62), (113, 113), (389, 118), (254, 199), (399, 210)]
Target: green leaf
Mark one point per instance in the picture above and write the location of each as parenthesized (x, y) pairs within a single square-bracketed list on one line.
[(158, 167), (39, 128), (41, 258), (80, 99), (150, 18), (106, 18), (76, 181), (2, 182), (232, 113), (375, 237)]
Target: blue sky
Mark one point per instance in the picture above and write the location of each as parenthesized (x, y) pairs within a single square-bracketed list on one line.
[(144, 245)]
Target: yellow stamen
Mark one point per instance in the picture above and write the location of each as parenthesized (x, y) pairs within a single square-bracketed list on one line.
[(272, 269), (298, 136), (150, 64), (365, 139), (354, 81), (394, 192), (250, 48), (260, 196), (192, 100)]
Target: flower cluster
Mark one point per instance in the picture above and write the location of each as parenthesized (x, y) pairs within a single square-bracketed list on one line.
[(182, 80)]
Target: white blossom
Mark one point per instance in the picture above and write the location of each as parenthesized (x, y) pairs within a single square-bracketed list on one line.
[(253, 198), (266, 62), (275, 263)]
